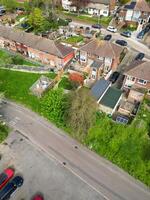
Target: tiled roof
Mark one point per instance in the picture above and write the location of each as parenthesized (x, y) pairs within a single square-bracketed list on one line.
[(111, 97), (99, 88), (139, 5), (35, 42), (139, 69), (102, 48)]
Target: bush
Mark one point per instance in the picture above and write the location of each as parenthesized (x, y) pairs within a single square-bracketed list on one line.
[(65, 84), (3, 132), (17, 60)]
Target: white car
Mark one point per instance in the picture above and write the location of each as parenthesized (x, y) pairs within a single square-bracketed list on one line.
[(111, 29)]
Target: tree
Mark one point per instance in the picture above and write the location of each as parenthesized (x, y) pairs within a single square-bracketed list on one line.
[(79, 4), (53, 105), (77, 78), (10, 4), (36, 20), (124, 1), (81, 111)]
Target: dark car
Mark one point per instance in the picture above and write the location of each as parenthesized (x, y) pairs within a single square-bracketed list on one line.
[(113, 78), (121, 42), (11, 187), (141, 34), (126, 33), (68, 19), (98, 26), (139, 56), (108, 37)]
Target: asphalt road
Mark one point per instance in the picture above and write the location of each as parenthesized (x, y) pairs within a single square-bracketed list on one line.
[(108, 180), (132, 42)]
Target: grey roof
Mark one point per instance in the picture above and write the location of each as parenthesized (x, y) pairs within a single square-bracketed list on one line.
[(99, 88), (100, 1), (96, 64), (111, 97), (35, 42)]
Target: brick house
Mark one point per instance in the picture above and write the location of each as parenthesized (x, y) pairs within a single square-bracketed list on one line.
[(138, 76), (135, 12), (105, 56), (93, 7), (35, 47)]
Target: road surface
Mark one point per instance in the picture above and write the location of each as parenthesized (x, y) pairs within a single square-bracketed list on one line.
[(108, 180)]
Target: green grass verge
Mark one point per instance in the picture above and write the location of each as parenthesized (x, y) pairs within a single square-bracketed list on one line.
[(89, 19), (3, 132), (15, 86)]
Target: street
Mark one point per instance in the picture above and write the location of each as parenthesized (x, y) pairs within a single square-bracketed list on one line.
[(106, 179)]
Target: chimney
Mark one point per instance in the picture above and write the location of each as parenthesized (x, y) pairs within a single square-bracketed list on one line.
[(112, 4)]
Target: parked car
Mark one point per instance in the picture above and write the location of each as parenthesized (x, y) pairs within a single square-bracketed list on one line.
[(121, 42), (98, 26), (68, 19), (108, 37), (126, 33), (139, 56), (11, 187), (113, 78), (111, 29), (6, 176), (141, 34), (38, 197)]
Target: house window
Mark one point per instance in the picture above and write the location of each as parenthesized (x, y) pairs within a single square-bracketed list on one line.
[(93, 76), (142, 82), (130, 78)]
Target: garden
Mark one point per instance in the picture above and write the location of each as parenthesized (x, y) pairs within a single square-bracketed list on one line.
[(74, 39)]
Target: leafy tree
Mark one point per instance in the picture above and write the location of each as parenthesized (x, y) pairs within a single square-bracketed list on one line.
[(124, 1), (81, 111), (53, 105), (10, 4), (36, 20)]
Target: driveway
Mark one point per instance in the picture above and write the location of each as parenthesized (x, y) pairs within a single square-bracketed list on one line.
[(106, 179)]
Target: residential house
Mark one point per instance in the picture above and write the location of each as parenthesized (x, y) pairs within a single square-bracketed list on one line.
[(107, 97), (105, 55), (137, 76), (135, 12), (93, 7), (36, 47)]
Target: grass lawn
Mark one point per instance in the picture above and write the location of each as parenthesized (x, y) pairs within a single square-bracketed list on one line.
[(74, 39), (3, 132), (89, 19), (65, 84), (16, 59), (15, 86)]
